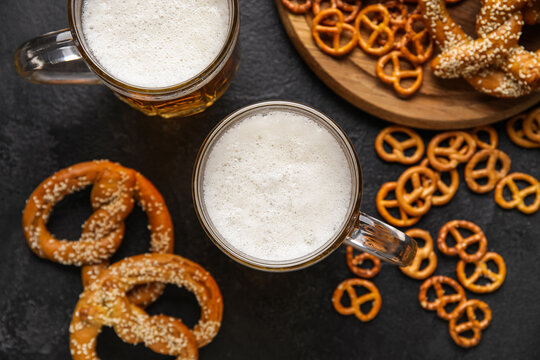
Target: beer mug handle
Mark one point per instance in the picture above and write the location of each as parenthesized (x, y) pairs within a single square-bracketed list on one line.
[(382, 240), (53, 58)]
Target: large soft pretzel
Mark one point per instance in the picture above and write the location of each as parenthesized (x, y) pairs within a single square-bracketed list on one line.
[(494, 63)]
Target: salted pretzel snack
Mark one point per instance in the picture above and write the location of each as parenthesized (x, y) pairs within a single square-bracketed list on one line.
[(113, 195), (334, 31), (518, 195), (424, 184), (356, 301), (492, 133), (383, 204), (490, 172), (423, 253), (457, 328), (462, 243), (445, 192), (445, 158), (514, 128), (419, 41), (531, 126), (397, 76), (481, 270), (354, 262), (104, 303), (442, 299), (297, 6), (398, 147), (376, 19)]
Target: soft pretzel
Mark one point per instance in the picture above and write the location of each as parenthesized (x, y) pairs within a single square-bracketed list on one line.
[(531, 12)]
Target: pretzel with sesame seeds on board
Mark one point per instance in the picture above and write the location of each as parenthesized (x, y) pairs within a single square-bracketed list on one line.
[(115, 190), (104, 303)]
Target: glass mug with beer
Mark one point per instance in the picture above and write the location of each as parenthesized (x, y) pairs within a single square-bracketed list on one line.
[(277, 186), (162, 57)]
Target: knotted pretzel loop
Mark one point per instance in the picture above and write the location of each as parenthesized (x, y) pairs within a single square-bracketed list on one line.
[(490, 172), (492, 133), (481, 270), (398, 147), (531, 126), (462, 243), (424, 184), (398, 75), (445, 192), (519, 196), (354, 263), (472, 324), (421, 41), (104, 303), (357, 301), (375, 18), (297, 6), (349, 8), (334, 31), (514, 128), (423, 253), (383, 204), (445, 158), (316, 9), (442, 299)]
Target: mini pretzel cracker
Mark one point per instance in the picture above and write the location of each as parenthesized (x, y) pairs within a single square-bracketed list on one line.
[(462, 243), (423, 253), (376, 18), (355, 261), (335, 31), (421, 41), (350, 11), (493, 137), (398, 75), (445, 158), (518, 196), (113, 195), (297, 6), (383, 204), (531, 126), (481, 270), (357, 301), (422, 190), (399, 147), (517, 135), (445, 192), (104, 303), (490, 172), (472, 323), (442, 299)]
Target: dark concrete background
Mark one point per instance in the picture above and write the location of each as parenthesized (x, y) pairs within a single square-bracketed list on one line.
[(267, 316)]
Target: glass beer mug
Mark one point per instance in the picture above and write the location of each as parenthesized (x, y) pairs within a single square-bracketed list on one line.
[(64, 57)]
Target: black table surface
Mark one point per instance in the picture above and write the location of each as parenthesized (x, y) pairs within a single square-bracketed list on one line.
[(267, 315)]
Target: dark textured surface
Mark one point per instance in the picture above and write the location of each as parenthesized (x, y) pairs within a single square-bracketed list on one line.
[(267, 316)]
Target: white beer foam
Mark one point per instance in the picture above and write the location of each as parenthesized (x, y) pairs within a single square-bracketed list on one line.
[(277, 186), (155, 43)]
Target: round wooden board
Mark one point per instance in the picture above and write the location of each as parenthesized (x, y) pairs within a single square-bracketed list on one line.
[(439, 104)]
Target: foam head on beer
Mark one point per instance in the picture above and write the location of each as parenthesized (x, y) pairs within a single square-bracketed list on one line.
[(155, 43), (277, 185)]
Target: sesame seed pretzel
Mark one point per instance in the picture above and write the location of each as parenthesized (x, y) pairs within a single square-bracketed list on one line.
[(424, 184), (423, 253), (420, 41), (445, 158), (531, 126), (383, 204), (462, 243), (417, 73), (105, 303), (355, 261), (518, 195), (494, 63), (445, 192), (115, 190), (376, 19), (517, 135), (531, 13), (297, 6), (442, 298), (399, 147), (492, 133), (490, 172), (481, 270), (334, 31), (472, 324), (357, 301)]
